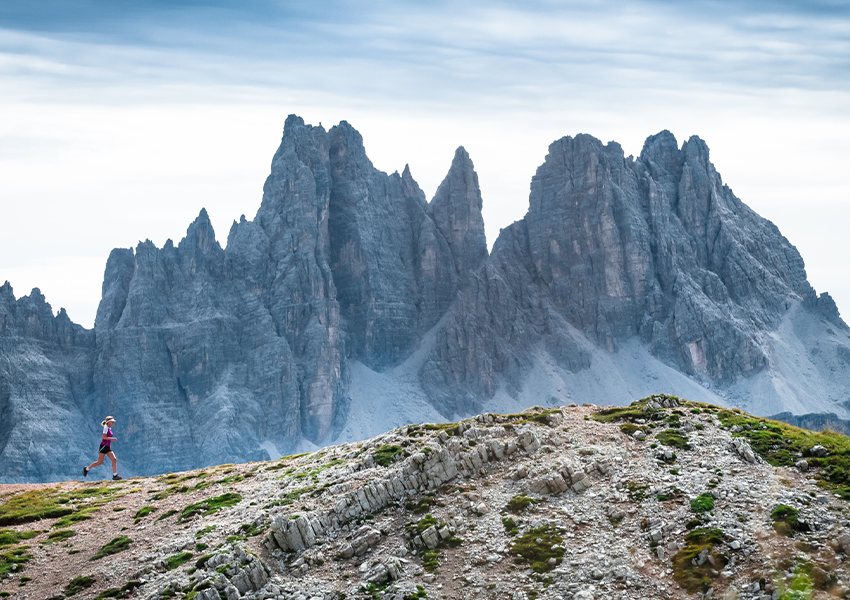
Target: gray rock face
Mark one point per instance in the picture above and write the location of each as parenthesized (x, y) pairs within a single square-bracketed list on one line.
[(614, 248), (392, 254), (210, 355), (45, 372)]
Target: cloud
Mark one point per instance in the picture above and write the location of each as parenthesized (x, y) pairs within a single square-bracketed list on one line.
[(98, 87), (441, 51)]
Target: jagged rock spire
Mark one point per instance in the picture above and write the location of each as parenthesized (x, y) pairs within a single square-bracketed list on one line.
[(456, 211)]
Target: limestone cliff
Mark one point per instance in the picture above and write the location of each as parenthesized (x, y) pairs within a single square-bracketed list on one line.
[(615, 249)]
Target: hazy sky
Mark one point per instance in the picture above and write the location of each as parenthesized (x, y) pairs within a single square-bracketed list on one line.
[(120, 119)]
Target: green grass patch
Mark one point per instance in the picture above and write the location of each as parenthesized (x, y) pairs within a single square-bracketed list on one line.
[(536, 546), (611, 415), (13, 561), (431, 560), (786, 520), (292, 456), (688, 573), (210, 505), (806, 577), (122, 592), (83, 514), (415, 528), (114, 546), (418, 594), (251, 529), (541, 417), (246, 530), (630, 428), (78, 584), (519, 503), (511, 526), (50, 503), (202, 532), (639, 409), (172, 562), (144, 512), (673, 438), (59, 536), (187, 489), (637, 491), (199, 564), (385, 455), (450, 428), (702, 503), (292, 496), (670, 494), (779, 444), (10, 537), (422, 506), (166, 514)]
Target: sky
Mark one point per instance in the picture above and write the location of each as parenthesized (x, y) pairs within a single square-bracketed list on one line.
[(120, 120)]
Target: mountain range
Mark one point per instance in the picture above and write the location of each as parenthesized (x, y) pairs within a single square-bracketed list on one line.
[(350, 305)]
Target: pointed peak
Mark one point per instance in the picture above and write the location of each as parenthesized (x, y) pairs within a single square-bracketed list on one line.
[(462, 160), (663, 137), (200, 233), (349, 136), (406, 172), (456, 212), (146, 246), (203, 216), (695, 148), (661, 148), (581, 144), (201, 222), (293, 121)]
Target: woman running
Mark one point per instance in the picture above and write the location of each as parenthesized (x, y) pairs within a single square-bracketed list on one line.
[(105, 449)]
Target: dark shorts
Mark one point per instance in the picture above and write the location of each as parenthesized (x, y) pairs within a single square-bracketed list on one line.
[(104, 449)]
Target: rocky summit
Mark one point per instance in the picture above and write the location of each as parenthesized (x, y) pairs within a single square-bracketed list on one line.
[(662, 499), (351, 305)]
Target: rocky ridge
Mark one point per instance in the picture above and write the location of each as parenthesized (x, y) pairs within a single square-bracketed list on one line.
[(662, 499), (350, 305)]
